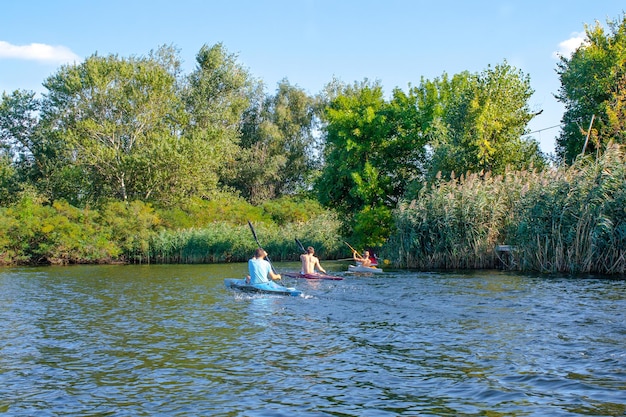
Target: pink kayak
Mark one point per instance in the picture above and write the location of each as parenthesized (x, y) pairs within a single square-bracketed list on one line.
[(310, 276)]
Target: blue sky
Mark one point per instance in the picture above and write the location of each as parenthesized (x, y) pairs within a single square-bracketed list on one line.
[(311, 41)]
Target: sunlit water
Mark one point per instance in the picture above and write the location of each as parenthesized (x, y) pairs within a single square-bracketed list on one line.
[(173, 341)]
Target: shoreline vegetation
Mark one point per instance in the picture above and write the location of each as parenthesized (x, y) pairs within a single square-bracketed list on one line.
[(564, 220), (132, 160)]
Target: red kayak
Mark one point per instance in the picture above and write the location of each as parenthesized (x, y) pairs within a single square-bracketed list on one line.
[(310, 276)]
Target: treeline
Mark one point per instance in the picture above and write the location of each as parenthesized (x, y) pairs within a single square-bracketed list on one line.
[(125, 148)]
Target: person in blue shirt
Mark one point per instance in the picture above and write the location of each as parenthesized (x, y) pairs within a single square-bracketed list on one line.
[(260, 269)]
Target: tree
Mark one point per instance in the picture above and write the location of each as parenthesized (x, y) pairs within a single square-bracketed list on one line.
[(593, 85), (476, 122), (373, 149), (118, 118), (18, 121), (278, 153), (292, 112), (217, 93), (36, 156)]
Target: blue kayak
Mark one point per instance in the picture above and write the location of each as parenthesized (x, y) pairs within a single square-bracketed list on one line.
[(265, 287)]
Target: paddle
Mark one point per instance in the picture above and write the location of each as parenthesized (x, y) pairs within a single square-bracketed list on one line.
[(301, 246), (257, 242), (353, 250)]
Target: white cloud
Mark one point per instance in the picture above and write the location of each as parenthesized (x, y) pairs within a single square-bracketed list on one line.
[(568, 46), (38, 52)]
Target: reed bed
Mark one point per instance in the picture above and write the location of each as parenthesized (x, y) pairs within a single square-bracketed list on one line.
[(571, 220), (451, 225), (575, 221), (225, 242)]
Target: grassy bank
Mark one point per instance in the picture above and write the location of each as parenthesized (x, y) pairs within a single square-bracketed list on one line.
[(570, 220)]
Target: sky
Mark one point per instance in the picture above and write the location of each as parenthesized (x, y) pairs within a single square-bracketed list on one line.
[(312, 42)]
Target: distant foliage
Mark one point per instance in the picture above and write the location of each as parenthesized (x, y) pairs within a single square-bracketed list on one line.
[(286, 210), (199, 213)]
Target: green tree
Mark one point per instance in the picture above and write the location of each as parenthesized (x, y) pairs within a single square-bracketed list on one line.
[(593, 85), (9, 184), (18, 123), (476, 122), (118, 118), (216, 95), (38, 156), (373, 149), (292, 112), (278, 154)]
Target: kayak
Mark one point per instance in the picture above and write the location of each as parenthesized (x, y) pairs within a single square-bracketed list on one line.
[(269, 287), (364, 269), (310, 276)]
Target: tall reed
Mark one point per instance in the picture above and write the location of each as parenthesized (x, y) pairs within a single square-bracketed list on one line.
[(571, 219), (575, 220), (225, 242), (453, 224)]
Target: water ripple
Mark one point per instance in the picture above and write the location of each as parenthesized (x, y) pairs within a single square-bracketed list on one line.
[(171, 340)]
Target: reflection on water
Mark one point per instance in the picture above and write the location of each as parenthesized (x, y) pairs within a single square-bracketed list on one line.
[(171, 340)]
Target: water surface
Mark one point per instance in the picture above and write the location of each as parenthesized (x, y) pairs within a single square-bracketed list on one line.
[(172, 340)]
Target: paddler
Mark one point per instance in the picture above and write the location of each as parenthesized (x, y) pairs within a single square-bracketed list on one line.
[(310, 262), (364, 259), (260, 269)]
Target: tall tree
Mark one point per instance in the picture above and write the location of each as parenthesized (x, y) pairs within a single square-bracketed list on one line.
[(118, 118), (18, 123), (255, 171), (217, 93), (593, 87), (292, 112), (477, 121), (373, 149), (279, 151), (37, 157)]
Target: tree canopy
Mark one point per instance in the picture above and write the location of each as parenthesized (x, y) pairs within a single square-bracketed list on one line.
[(476, 122), (136, 128), (372, 151), (593, 86), (278, 153)]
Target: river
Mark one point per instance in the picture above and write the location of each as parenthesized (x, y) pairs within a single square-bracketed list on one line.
[(171, 340)]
